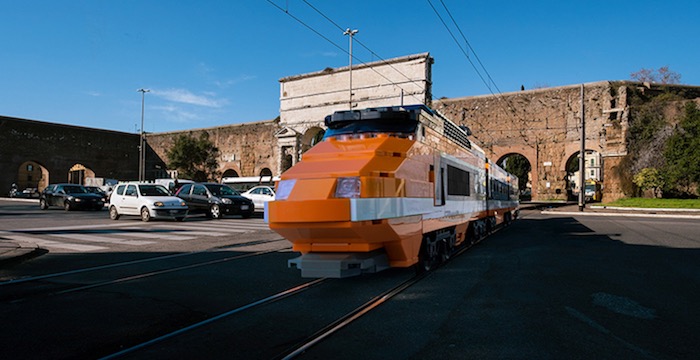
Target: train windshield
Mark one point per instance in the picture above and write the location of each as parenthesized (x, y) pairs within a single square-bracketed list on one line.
[(373, 126), (391, 121)]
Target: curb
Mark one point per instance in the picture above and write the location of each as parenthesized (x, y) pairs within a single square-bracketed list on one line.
[(648, 210), (13, 252), (584, 213)]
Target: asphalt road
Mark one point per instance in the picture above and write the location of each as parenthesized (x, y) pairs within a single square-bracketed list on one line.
[(546, 287)]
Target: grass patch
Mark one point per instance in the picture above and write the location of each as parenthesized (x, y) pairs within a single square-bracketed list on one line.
[(656, 203)]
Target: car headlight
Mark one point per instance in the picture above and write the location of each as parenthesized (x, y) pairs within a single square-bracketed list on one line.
[(158, 204), (347, 187), (183, 204), (284, 188), (226, 201)]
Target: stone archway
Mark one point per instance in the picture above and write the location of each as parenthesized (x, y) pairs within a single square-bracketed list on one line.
[(77, 174), (593, 169), (310, 138), (32, 175), (265, 172), (518, 165), (229, 173)]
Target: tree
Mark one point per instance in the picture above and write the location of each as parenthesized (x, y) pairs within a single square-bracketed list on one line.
[(663, 76), (682, 153), (194, 158), (650, 179)]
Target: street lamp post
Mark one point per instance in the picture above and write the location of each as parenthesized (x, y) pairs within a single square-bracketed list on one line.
[(350, 33), (142, 150)]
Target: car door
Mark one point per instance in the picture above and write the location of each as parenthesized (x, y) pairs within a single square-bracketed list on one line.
[(57, 196), (184, 193), (259, 197), (199, 197), (130, 200), (48, 194)]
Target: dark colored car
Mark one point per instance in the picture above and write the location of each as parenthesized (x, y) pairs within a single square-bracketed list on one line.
[(97, 190), (215, 200), (69, 197)]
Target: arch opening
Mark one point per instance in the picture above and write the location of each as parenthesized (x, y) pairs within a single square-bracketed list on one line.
[(78, 173), (593, 173), (33, 177), (519, 165)]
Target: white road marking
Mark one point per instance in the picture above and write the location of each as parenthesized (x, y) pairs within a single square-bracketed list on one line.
[(53, 244), (102, 239)]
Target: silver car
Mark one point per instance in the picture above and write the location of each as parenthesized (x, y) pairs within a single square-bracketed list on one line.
[(146, 200)]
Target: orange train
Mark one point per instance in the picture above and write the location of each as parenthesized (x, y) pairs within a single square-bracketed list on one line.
[(388, 187)]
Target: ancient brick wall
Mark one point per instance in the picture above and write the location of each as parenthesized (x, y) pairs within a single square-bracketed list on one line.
[(57, 148), (544, 126), (246, 149)]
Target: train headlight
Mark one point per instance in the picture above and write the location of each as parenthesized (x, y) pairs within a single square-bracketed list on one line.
[(284, 188), (347, 187)]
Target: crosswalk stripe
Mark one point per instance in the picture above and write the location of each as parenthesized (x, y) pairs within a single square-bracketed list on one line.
[(102, 239), (54, 244), (228, 227), (203, 230), (157, 235)]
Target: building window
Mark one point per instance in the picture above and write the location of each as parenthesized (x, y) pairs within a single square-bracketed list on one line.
[(30, 167)]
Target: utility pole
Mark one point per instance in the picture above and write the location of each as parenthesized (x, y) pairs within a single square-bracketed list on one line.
[(142, 141), (350, 33), (582, 159)]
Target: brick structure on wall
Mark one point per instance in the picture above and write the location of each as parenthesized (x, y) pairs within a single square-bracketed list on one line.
[(306, 99), (35, 153), (543, 125), (246, 149)]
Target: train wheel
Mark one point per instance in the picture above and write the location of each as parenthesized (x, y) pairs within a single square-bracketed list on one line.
[(428, 257), (447, 247)]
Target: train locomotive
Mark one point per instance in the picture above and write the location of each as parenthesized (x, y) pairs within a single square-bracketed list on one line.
[(389, 187)]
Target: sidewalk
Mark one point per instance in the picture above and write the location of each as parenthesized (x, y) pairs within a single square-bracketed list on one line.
[(14, 251), (571, 209)]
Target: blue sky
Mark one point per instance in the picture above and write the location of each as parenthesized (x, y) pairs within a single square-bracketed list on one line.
[(211, 63)]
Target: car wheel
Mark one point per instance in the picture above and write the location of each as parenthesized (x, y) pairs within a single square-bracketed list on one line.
[(43, 205), (247, 215), (113, 213), (215, 211), (145, 214), (66, 206)]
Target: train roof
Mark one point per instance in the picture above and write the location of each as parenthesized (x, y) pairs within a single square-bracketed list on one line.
[(410, 113)]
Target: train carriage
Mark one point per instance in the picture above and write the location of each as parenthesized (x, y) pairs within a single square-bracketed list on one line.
[(388, 187)]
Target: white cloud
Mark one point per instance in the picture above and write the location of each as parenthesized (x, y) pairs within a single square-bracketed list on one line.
[(223, 84), (186, 97), (176, 114), (94, 93)]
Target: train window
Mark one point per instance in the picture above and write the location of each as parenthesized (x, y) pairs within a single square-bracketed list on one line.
[(457, 181)]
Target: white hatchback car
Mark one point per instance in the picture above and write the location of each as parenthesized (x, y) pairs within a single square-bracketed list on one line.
[(260, 195), (146, 200)]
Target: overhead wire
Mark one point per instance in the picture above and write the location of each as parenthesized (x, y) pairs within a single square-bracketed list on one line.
[(390, 81), (499, 94)]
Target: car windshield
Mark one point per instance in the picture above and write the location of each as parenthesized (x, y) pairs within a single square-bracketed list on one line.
[(74, 189), (219, 190), (153, 190)]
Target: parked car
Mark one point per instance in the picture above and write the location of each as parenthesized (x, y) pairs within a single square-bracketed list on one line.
[(150, 201), (260, 195), (98, 190), (215, 200), (69, 197)]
